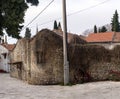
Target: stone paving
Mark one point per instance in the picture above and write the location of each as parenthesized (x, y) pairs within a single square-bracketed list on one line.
[(11, 88)]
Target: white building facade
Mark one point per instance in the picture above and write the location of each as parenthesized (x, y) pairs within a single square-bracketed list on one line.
[(4, 59)]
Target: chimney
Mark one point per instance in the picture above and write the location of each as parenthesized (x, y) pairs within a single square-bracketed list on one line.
[(36, 29), (0, 40), (5, 39)]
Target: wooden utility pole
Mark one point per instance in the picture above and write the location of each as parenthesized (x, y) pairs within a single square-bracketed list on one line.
[(66, 63)]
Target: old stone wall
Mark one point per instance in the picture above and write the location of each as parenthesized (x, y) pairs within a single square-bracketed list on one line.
[(46, 59), (94, 63), (108, 45), (18, 63), (40, 61), (104, 71)]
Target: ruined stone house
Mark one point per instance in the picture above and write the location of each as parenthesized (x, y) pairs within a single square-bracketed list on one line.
[(39, 60)]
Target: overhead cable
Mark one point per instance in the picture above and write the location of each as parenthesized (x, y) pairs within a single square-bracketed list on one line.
[(38, 14)]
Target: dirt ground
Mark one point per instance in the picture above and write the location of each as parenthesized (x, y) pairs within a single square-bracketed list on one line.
[(11, 88)]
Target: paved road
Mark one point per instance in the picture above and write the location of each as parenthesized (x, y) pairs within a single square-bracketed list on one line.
[(11, 88)]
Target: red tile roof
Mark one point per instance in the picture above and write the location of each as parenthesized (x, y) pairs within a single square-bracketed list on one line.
[(102, 37), (10, 47)]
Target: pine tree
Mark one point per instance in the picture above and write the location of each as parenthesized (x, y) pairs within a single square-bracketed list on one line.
[(115, 22), (55, 25), (103, 29), (28, 33), (12, 14), (99, 30), (95, 29), (59, 25)]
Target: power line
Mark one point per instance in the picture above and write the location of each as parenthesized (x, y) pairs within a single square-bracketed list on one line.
[(60, 17), (73, 13), (46, 22), (88, 8), (38, 14)]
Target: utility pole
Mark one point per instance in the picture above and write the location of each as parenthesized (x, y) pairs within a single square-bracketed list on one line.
[(65, 56)]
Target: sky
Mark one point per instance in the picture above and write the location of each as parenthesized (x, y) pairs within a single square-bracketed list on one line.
[(81, 15)]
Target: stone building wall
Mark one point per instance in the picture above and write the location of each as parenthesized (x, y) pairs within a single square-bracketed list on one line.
[(100, 71), (40, 61), (46, 59), (108, 45), (19, 60), (94, 63)]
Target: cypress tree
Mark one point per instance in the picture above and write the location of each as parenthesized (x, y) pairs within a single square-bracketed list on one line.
[(95, 29), (103, 29), (99, 30), (28, 33), (55, 25), (115, 22), (59, 25)]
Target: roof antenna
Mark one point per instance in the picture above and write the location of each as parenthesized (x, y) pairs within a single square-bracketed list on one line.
[(36, 28), (5, 39)]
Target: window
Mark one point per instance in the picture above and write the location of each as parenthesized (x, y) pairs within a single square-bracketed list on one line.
[(40, 57), (5, 55)]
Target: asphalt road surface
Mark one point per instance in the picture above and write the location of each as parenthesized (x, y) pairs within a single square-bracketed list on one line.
[(11, 88)]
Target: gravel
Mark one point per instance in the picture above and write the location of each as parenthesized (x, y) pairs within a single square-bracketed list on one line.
[(12, 88)]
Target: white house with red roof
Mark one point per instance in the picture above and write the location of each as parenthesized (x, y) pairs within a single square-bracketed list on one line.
[(106, 39), (5, 50)]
